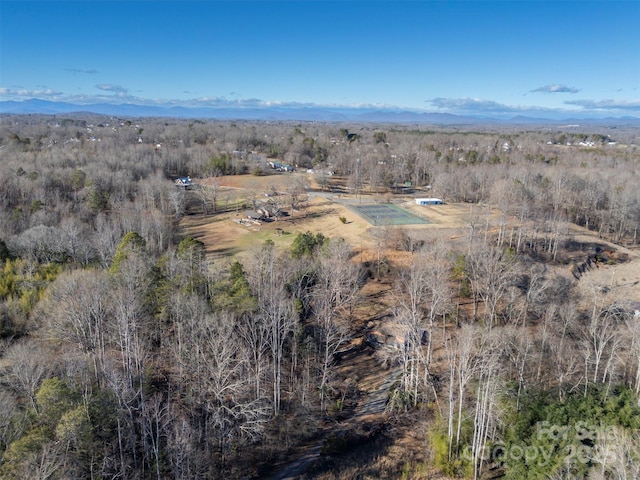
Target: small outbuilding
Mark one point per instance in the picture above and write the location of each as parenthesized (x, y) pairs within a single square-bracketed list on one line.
[(429, 201)]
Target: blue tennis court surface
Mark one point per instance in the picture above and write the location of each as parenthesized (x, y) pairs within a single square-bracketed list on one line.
[(387, 214)]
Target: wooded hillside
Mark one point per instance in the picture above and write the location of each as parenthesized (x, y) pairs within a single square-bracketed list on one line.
[(504, 342)]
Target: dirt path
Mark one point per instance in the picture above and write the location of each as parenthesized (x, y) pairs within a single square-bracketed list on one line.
[(361, 365), (301, 464), (376, 392), (370, 408)]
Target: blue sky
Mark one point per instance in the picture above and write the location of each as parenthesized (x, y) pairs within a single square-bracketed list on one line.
[(500, 58)]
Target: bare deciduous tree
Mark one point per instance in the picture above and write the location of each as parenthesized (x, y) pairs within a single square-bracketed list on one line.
[(337, 283), (491, 274), (76, 311), (268, 281), (27, 365)]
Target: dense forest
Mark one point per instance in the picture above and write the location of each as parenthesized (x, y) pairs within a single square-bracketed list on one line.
[(129, 350)]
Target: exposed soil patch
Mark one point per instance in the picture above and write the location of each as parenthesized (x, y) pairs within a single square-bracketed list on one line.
[(615, 271)]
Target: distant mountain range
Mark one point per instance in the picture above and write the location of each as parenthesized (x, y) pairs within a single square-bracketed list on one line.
[(295, 113)]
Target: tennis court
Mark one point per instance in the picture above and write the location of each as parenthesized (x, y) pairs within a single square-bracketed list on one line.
[(387, 214)]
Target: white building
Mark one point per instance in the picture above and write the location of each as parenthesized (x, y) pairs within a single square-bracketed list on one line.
[(429, 201)]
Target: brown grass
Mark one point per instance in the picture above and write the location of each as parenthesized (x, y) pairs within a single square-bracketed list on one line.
[(224, 237)]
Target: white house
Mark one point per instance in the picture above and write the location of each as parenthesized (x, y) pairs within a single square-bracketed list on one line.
[(429, 201)]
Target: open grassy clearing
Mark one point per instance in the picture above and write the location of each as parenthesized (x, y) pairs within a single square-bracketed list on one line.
[(321, 213), (223, 236)]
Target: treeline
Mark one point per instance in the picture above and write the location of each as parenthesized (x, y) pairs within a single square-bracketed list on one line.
[(161, 367), (73, 170), (126, 353)]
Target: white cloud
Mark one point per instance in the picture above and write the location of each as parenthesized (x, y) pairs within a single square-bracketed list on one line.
[(555, 88), (116, 94), (608, 105), (472, 105), (23, 92), (491, 108), (107, 87), (82, 70)]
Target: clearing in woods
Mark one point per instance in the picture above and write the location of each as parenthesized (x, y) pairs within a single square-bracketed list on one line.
[(224, 236)]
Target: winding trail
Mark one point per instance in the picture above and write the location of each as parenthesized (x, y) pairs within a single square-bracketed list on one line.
[(374, 383)]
